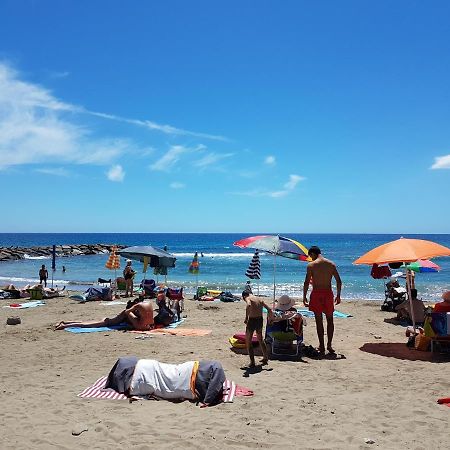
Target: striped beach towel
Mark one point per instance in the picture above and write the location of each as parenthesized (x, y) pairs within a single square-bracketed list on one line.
[(97, 390)]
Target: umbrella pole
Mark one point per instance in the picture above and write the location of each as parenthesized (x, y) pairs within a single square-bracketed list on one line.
[(408, 289), (115, 284), (274, 270)]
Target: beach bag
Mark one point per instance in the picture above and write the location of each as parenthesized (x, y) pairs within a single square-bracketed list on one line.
[(422, 342)]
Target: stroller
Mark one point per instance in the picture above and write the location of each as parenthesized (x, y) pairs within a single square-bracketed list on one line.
[(394, 295)]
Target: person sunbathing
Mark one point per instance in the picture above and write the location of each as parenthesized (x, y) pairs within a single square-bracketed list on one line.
[(139, 317), (200, 381)]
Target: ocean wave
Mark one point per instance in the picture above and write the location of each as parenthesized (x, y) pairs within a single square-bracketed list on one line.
[(216, 255), (35, 281), (27, 256)]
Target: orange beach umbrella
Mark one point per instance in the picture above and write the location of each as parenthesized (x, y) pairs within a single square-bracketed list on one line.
[(113, 260), (403, 250)]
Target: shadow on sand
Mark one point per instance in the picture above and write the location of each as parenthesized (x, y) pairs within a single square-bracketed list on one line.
[(401, 351)]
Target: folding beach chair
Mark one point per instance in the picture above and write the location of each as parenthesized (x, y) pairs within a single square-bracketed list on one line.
[(284, 338)]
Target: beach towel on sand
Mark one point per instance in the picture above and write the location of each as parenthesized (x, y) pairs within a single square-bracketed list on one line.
[(336, 314), (230, 390), (25, 305), (121, 326)]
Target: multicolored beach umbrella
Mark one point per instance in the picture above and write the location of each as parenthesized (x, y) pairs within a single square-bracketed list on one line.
[(277, 246), (423, 265), (194, 267), (254, 269)]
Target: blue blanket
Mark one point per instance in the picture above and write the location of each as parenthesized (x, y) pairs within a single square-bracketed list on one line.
[(337, 314), (27, 305), (121, 326)]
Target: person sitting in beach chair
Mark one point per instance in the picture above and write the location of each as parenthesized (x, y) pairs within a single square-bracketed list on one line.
[(149, 287), (176, 300), (165, 315), (139, 317), (404, 309), (200, 381), (284, 333)]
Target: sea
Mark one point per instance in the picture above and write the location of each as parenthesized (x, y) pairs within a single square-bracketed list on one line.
[(222, 265)]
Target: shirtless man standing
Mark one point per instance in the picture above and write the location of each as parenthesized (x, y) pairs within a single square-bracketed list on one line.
[(320, 271), (254, 323), (139, 317)]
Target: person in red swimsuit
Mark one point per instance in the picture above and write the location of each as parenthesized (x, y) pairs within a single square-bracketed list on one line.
[(445, 305), (320, 272)]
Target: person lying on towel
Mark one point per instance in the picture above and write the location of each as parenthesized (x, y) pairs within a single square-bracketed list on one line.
[(139, 317), (200, 381)]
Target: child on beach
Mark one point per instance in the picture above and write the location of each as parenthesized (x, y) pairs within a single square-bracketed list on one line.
[(254, 322)]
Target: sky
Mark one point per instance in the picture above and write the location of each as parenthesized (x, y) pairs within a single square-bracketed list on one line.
[(200, 116)]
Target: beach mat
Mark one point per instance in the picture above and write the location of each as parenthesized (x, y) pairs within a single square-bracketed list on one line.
[(121, 326), (25, 305), (336, 314), (97, 390)]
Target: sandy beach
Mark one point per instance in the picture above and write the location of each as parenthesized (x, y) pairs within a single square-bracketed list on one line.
[(308, 404)]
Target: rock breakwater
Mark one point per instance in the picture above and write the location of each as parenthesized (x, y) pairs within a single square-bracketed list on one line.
[(12, 253)]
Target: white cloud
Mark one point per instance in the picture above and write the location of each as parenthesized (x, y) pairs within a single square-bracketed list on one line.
[(34, 128), (116, 173), (289, 186), (293, 181), (176, 185), (441, 162), (211, 158), (166, 162), (56, 171), (166, 129), (269, 160)]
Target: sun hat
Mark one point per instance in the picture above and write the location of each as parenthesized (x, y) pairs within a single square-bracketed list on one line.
[(446, 296), (284, 303)]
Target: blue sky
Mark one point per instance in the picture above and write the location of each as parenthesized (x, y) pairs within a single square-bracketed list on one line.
[(205, 116)]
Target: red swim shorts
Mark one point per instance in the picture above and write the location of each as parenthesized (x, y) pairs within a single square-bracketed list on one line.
[(321, 301)]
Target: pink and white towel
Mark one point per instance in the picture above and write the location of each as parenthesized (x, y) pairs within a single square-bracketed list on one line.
[(97, 390)]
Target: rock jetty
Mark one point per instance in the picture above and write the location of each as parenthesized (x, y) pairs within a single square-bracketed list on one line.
[(11, 253)]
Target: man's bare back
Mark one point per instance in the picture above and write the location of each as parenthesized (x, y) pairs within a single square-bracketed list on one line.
[(254, 306), (322, 271), (140, 315)]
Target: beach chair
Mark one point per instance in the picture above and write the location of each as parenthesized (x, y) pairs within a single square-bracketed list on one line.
[(36, 293), (149, 287), (394, 295), (201, 291), (175, 294), (284, 338)]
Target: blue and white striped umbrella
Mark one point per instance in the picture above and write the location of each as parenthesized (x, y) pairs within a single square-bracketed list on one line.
[(254, 269)]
